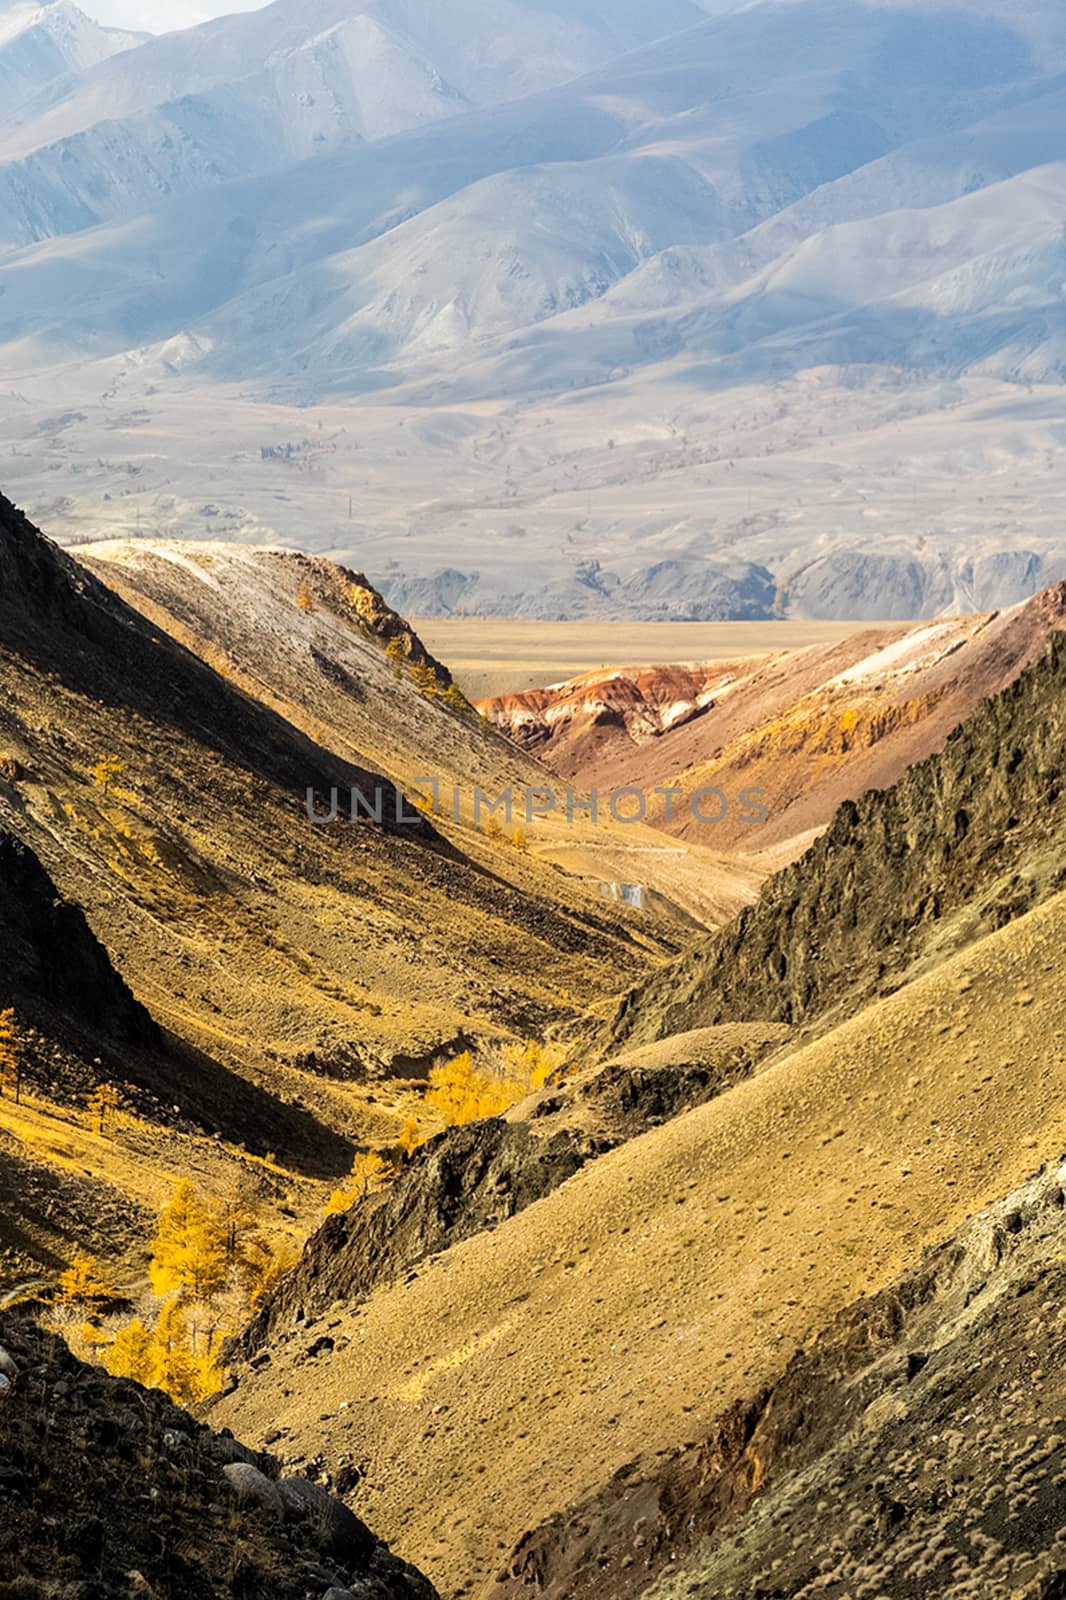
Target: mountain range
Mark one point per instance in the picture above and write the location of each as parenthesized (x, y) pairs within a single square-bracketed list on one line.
[(553, 310)]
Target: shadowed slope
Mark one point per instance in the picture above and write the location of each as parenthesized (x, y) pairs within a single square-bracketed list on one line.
[(673, 1277)]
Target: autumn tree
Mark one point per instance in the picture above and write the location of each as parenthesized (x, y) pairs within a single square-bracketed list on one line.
[(84, 1283), (106, 771), (425, 680), (371, 1172), (462, 1091), (104, 1101), (530, 1064), (175, 1365), (188, 1254), (304, 598), (459, 1092), (10, 1056), (411, 1137), (396, 654), (455, 699), (130, 1355)]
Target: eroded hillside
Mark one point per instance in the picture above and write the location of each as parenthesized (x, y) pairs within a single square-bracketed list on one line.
[(806, 729), (673, 1278), (965, 842), (294, 980)]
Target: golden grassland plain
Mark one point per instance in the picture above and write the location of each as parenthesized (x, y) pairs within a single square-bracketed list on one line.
[(501, 655), (625, 1312)]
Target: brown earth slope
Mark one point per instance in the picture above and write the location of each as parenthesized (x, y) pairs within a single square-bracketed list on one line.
[(291, 969), (472, 1178), (262, 938), (669, 1281), (809, 728), (964, 842), (309, 639), (916, 1448)]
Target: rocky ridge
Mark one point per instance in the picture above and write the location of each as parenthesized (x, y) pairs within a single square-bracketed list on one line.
[(108, 1491), (965, 842)]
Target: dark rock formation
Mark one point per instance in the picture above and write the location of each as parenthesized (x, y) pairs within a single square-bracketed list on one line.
[(109, 1491), (965, 842)]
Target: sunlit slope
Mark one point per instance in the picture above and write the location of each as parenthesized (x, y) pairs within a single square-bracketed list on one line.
[(310, 640), (626, 1311), (965, 841)]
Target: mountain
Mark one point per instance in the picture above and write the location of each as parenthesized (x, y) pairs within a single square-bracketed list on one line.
[(259, 90), (799, 731), (963, 843), (581, 298), (836, 1431), (42, 43), (664, 1356)]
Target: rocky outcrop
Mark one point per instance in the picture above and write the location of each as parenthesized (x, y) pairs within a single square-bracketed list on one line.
[(641, 704), (354, 597), (914, 1449), (462, 1182), (52, 963), (966, 841), (471, 1179), (109, 1491)]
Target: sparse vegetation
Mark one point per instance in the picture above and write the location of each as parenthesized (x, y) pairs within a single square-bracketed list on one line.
[(304, 598), (104, 1103), (209, 1266), (371, 1172), (425, 680), (84, 1283), (396, 655), (106, 773), (462, 1090), (10, 1056)]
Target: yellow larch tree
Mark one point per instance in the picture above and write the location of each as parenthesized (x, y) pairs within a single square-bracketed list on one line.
[(84, 1283), (188, 1255), (371, 1172), (10, 1056)]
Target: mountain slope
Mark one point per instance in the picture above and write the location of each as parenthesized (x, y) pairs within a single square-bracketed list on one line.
[(884, 1455), (964, 842), (806, 730), (327, 671), (43, 42), (251, 92), (629, 1311), (277, 956)]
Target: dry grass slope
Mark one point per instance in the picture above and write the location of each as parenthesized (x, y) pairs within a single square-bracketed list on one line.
[(629, 1309)]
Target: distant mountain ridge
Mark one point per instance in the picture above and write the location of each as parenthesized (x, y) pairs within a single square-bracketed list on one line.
[(594, 287)]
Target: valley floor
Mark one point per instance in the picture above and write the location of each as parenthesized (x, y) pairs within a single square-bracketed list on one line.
[(497, 655)]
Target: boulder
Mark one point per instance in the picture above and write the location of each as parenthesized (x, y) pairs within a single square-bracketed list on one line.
[(253, 1487), (342, 1535)]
